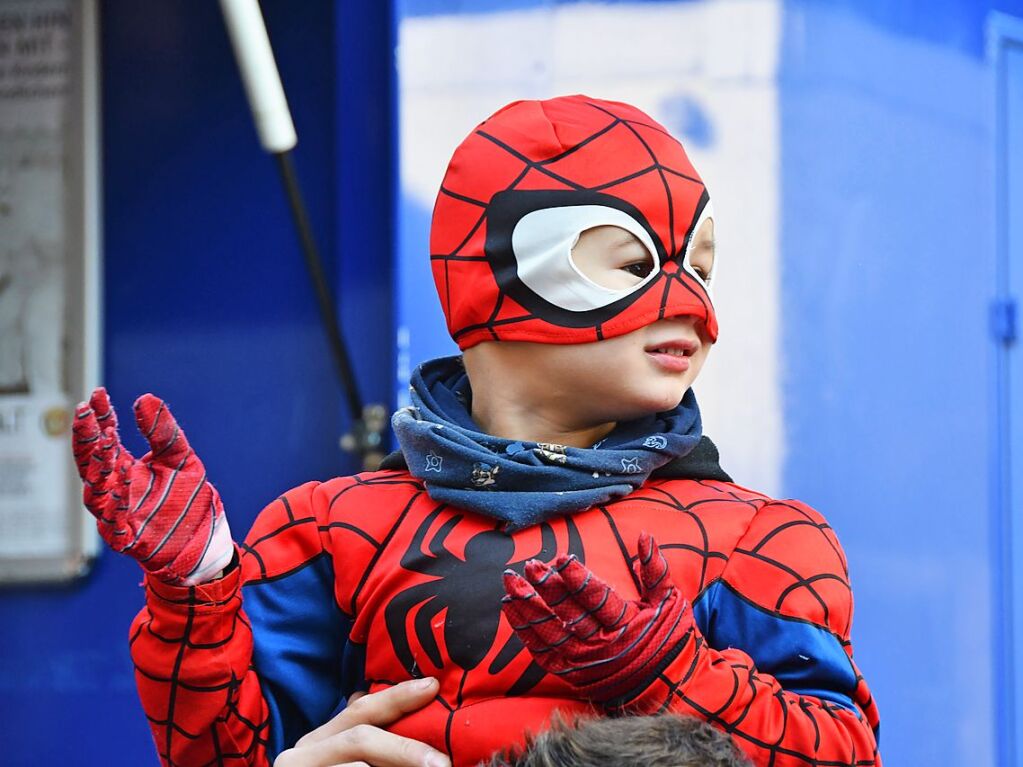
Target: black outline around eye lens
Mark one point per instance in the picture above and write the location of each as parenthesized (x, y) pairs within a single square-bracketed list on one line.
[(686, 259), (509, 207)]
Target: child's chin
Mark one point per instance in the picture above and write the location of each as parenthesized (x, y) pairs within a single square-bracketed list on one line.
[(669, 404), (666, 396), (650, 404)]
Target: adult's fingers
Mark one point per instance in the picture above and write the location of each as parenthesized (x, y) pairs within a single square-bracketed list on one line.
[(377, 709), (365, 744), (167, 442)]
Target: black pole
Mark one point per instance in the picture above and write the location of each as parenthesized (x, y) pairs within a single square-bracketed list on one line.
[(323, 294)]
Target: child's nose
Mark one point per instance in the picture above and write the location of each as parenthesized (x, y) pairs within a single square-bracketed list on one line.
[(697, 324)]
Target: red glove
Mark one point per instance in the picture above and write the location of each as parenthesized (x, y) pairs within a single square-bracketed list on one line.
[(578, 628), (160, 509)]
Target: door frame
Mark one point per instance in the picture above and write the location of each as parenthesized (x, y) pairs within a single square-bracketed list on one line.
[(1005, 38)]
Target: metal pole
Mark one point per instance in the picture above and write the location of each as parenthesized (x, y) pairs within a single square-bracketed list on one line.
[(277, 136)]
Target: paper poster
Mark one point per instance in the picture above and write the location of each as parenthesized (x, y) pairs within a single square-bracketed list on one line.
[(34, 404)]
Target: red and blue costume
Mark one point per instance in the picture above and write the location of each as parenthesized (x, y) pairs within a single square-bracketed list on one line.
[(743, 606), (366, 577)]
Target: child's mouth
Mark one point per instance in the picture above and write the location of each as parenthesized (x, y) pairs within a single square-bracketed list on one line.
[(672, 359)]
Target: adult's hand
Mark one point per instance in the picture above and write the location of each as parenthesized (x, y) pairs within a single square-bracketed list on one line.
[(356, 738)]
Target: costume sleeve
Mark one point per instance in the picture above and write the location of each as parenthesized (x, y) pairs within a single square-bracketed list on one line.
[(769, 658), (223, 685)]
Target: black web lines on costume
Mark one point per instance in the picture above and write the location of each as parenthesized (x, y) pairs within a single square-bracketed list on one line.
[(657, 495), (791, 706), (239, 733), (257, 732), (804, 523), (492, 320), (798, 581), (541, 166), (385, 478), (736, 710)]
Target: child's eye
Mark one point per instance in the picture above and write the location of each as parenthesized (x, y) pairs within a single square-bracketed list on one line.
[(700, 272), (640, 268)]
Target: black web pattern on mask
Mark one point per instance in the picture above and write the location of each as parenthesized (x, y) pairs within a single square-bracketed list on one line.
[(542, 166)]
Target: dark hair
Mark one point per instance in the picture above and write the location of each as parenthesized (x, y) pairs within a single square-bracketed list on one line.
[(661, 740)]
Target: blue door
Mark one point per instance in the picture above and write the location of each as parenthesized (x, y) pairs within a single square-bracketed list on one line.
[(1007, 50)]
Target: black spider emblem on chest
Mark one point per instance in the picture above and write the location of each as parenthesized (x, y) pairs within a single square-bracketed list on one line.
[(470, 592)]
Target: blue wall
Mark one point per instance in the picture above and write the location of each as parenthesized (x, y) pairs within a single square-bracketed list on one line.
[(889, 256), (208, 304)]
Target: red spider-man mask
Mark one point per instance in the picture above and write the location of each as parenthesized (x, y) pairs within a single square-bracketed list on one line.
[(520, 190)]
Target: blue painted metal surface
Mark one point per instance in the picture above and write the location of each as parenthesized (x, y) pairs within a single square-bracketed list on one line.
[(1013, 231), (208, 304), (888, 259), (365, 174), (434, 7), (1006, 56)]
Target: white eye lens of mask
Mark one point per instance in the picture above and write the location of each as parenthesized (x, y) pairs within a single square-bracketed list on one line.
[(542, 243), (687, 264)]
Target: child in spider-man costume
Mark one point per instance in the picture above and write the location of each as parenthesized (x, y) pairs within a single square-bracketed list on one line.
[(558, 535)]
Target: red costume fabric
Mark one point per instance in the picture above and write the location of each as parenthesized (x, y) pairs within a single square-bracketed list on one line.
[(413, 588)]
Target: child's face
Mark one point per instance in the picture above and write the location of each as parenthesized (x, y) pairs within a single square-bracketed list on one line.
[(649, 369), (620, 378), (625, 377), (614, 258)]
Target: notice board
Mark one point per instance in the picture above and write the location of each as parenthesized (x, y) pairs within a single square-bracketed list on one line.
[(49, 280)]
